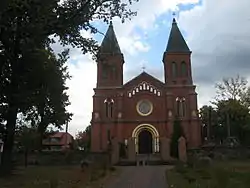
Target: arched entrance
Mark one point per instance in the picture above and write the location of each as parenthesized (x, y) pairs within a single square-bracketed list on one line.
[(146, 139), (145, 142)]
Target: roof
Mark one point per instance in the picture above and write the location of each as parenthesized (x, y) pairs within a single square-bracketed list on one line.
[(110, 43), (65, 138), (176, 42), (145, 77)]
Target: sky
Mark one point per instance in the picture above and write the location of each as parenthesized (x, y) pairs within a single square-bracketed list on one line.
[(217, 32)]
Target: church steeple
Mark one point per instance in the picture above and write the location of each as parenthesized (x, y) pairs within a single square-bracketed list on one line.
[(110, 43), (176, 59), (110, 61), (176, 42)]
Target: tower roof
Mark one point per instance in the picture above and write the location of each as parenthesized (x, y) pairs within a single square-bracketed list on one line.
[(110, 43), (176, 42)]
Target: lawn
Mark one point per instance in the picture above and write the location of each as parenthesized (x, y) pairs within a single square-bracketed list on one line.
[(227, 174), (55, 177)]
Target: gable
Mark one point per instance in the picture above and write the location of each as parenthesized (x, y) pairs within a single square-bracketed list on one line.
[(144, 82)]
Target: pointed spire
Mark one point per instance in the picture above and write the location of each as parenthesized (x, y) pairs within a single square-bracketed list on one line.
[(176, 42), (110, 43)]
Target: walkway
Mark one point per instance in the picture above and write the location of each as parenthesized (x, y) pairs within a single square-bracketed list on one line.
[(140, 177)]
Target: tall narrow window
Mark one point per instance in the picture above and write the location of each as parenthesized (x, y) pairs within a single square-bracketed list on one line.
[(111, 109), (109, 103), (178, 106), (184, 68), (105, 71), (174, 69), (183, 108), (106, 109)]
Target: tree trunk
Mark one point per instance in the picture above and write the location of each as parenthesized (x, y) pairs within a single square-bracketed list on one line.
[(26, 157), (41, 127), (6, 159)]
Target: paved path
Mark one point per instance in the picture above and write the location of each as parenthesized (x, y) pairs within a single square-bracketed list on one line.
[(140, 177)]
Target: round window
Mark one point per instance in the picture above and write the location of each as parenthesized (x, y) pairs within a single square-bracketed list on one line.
[(144, 107)]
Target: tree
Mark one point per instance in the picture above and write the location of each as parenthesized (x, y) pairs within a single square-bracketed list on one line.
[(209, 121), (234, 118), (177, 133), (26, 27), (83, 139), (51, 98), (27, 139), (232, 88)]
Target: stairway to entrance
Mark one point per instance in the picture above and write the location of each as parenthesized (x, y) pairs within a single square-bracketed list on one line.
[(147, 159), (144, 160)]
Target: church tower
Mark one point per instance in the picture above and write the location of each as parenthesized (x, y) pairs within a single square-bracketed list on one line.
[(176, 59), (106, 100), (181, 95), (110, 61)]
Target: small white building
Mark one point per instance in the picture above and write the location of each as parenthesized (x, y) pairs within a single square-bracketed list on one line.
[(1, 146)]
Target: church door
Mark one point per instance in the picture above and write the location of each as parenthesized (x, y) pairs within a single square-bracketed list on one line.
[(145, 142)]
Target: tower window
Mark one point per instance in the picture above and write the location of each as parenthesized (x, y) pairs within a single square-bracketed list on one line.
[(180, 107), (183, 68), (174, 69), (109, 107), (105, 71), (114, 73)]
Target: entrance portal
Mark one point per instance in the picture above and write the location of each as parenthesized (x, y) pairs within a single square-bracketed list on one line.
[(145, 142)]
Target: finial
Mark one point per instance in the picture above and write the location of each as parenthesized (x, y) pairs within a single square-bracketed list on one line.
[(143, 68), (111, 23)]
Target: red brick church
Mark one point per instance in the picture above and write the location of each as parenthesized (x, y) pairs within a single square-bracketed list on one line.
[(141, 112)]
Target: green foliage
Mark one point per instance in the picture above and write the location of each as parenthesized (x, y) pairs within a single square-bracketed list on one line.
[(177, 133), (231, 88), (27, 138), (218, 175), (32, 78), (83, 138), (230, 115)]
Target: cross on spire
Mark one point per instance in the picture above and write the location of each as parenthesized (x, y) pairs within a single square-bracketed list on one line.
[(143, 68)]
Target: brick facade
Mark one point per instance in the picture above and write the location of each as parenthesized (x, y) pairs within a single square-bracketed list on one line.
[(118, 113)]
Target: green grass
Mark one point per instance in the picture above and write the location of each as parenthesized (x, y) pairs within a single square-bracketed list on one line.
[(219, 175), (56, 177)]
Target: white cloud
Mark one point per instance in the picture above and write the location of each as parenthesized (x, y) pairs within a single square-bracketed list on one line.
[(81, 86)]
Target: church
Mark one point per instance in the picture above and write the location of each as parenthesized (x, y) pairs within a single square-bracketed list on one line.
[(141, 112)]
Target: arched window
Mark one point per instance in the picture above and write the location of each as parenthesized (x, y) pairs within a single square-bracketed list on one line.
[(180, 107), (183, 68), (105, 71), (174, 69), (183, 108), (109, 107)]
